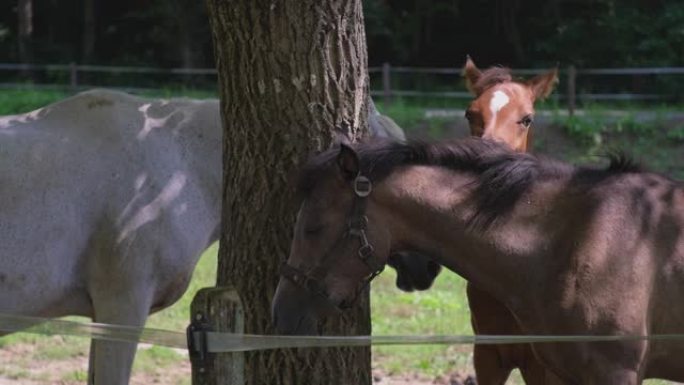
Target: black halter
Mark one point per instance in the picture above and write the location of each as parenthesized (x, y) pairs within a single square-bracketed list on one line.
[(356, 228)]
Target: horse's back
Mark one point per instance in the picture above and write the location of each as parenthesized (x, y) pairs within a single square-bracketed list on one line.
[(96, 143)]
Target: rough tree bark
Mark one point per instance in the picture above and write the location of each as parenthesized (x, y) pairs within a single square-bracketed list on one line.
[(293, 79)]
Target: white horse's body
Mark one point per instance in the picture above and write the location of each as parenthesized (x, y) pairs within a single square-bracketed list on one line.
[(108, 200)]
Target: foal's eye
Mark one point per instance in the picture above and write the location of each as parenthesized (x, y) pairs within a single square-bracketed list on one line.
[(526, 121), (468, 115), (313, 230)]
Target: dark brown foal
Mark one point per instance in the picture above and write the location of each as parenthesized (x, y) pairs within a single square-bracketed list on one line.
[(568, 250)]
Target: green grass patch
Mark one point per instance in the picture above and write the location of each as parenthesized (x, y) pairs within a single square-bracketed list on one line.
[(411, 117), (441, 310), (61, 347), (25, 100), (76, 376), (15, 374), (151, 359), (18, 101)]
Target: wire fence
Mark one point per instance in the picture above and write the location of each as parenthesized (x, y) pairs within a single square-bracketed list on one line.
[(577, 85), (224, 342)]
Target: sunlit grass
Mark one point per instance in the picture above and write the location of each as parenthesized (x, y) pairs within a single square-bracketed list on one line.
[(441, 310)]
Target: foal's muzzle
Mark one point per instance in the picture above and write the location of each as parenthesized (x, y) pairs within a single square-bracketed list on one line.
[(293, 311)]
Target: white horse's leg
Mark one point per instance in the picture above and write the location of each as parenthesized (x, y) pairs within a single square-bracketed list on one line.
[(111, 361)]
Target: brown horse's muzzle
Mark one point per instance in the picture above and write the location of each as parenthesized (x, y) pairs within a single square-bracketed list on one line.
[(414, 271)]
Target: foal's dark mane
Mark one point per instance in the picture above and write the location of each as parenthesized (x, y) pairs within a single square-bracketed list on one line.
[(491, 77), (502, 176)]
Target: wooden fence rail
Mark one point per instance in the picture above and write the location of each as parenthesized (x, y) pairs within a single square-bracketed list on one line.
[(387, 93)]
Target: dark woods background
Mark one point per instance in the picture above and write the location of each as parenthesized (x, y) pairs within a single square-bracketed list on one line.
[(517, 33)]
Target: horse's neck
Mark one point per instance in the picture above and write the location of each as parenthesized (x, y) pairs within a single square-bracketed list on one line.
[(430, 207)]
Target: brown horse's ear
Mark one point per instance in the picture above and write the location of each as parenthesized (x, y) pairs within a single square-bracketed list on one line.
[(543, 84), (471, 74), (348, 162)]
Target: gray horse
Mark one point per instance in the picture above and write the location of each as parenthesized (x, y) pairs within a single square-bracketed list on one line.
[(109, 201)]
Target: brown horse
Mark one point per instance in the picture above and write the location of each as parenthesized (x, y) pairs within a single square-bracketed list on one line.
[(503, 110), (568, 250)]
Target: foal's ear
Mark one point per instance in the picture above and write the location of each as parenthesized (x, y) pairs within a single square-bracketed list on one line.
[(543, 84), (348, 162), (471, 74)]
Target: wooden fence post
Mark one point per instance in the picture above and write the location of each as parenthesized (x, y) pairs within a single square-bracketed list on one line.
[(386, 84), (217, 368), (73, 75), (572, 89)]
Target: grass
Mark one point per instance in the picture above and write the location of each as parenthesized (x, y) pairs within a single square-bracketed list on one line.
[(654, 139), (19, 101), (441, 310), (16, 101)]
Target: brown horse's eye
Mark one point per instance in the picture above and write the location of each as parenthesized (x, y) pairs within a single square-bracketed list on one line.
[(526, 121), (468, 115)]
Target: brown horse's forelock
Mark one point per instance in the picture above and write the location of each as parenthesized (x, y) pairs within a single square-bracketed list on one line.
[(502, 175), (491, 77)]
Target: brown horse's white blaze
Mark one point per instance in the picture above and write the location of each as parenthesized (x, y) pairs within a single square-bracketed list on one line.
[(503, 109)]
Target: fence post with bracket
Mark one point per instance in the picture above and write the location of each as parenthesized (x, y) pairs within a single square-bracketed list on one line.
[(206, 310)]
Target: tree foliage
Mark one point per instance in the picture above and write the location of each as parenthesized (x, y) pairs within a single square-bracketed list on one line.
[(588, 33)]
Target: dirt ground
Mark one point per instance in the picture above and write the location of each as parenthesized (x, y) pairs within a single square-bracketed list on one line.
[(24, 364), (452, 379)]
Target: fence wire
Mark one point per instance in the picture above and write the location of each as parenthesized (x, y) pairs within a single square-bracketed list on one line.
[(217, 342)]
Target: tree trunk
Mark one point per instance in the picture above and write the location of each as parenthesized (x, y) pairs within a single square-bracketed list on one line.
[(293, 79), (25, 33)]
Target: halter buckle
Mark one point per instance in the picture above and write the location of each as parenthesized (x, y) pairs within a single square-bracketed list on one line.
[(362, 186), (365, 251)]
